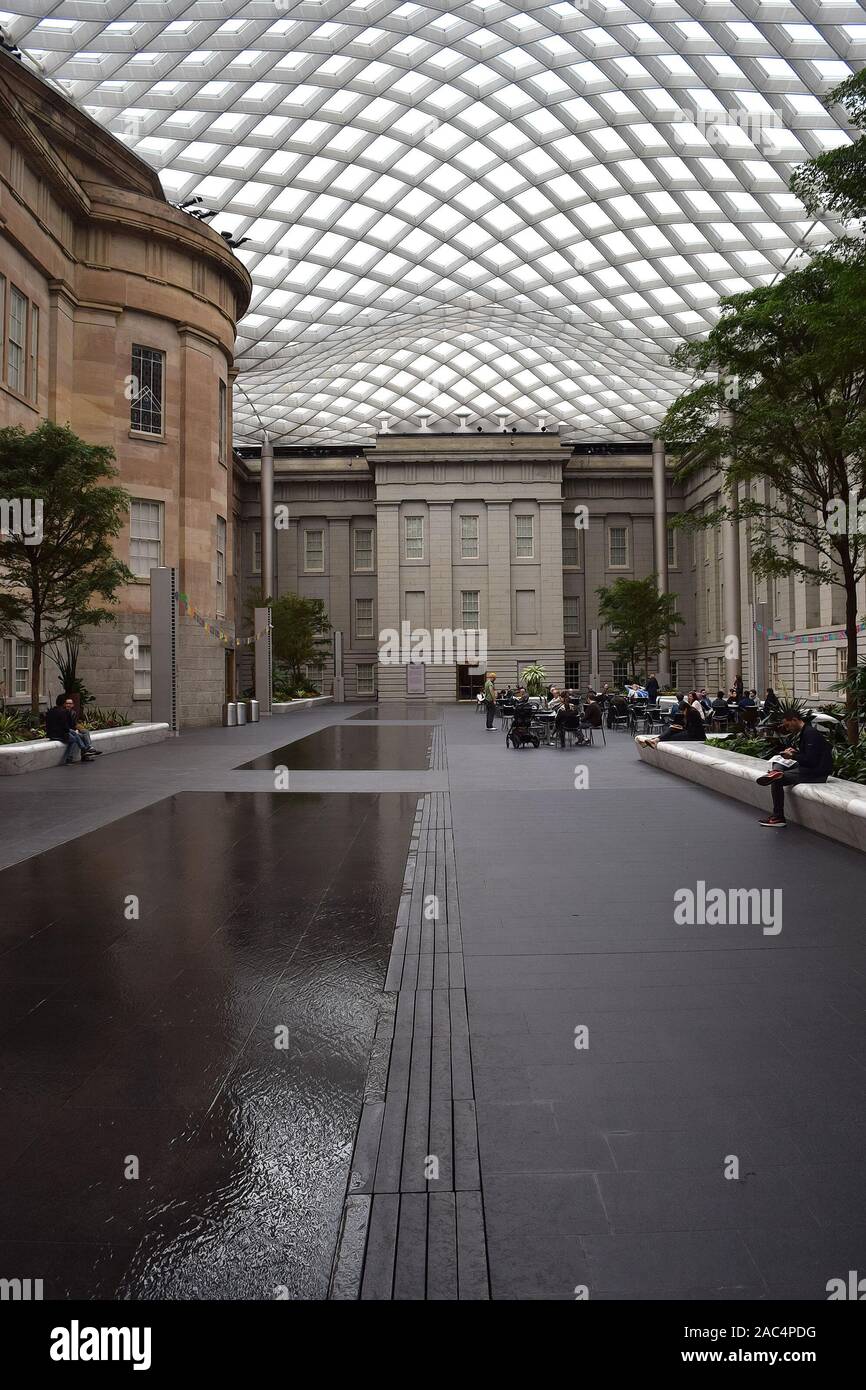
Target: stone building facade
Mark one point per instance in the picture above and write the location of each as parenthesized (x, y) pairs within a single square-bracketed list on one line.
[(516, 533), (126, 310)]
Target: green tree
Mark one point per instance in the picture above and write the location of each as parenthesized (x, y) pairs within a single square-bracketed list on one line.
[(835, 181), (64, 582), (638, 617), (301, 632), (791, 358)]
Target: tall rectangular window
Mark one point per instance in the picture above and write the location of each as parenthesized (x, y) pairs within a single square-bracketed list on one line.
[(841, 663), (363, 552), (470, 607), (675, 675), (220, 567), (363, 617), (257, 552), (774, 670), (222, 406), (33, 383), (814, 678), (314, 552), (617, 547), (722, 672), (469, 537), (620, 670), (141, 674), (145, 537), (414, 538), (672, 549), (524, 539), (570, 546), (571, 616), (23, 660), (365, 678), (146, 387), (572, 675), (16, 345)]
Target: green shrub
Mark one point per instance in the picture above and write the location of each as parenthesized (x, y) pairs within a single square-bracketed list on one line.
[(96, 718)]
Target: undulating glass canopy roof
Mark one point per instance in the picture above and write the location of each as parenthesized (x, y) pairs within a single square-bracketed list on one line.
[(452, 210)]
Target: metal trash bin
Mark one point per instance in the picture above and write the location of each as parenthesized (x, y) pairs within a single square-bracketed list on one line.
[(254, 711), (242, 711), (230, 714)]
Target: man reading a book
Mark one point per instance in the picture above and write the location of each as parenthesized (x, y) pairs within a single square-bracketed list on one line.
[(811, 761)]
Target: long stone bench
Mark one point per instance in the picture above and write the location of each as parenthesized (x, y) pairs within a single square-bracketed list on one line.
[(834, 808), (44, 752), (287, 706)]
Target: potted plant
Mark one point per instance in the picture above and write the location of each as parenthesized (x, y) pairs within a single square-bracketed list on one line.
[(534, 679), (66, 660)]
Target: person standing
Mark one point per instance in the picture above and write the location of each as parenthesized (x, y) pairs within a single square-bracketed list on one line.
[(490, 697), (738, 688), (652, 688)]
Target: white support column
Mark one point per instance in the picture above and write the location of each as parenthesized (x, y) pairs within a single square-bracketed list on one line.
[(660, 534)]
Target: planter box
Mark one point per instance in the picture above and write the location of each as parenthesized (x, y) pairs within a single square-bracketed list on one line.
[(287, 706), (42, 752), (833, 808)]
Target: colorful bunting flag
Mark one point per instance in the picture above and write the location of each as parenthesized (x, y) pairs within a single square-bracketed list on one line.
[(217, 632)]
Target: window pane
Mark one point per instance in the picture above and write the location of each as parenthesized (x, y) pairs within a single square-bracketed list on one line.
[(414, 538), (17, 340), (141, 672), (363, 617), (470, 606), (363, 550), (571, 615), (221, 566), (572, 675), (570, 546), (34, 352), (146, 390), (364, 679), (618, 546), (145, 536), (469, 537), (22, 668), (314, 551), (524, 537), (222, 408)]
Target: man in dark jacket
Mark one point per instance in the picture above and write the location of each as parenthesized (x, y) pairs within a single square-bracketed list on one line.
[(652, 688), (814, 759), (59, 728)]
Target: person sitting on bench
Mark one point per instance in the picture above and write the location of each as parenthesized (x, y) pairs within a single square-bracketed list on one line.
[(59, 728), (814, 763)]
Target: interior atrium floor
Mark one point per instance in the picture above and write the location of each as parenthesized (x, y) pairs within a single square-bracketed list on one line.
[(239, 1021)]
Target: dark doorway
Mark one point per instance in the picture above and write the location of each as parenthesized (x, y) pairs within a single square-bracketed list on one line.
[(470, 682)]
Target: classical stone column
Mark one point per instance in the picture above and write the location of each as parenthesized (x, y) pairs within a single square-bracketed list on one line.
[(731, 580), (267, 504), (660, 532)]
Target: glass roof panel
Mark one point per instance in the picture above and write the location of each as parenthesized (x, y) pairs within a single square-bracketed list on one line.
[(609, 168)]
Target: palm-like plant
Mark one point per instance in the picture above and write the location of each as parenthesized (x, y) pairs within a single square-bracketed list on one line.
[(534, 678)]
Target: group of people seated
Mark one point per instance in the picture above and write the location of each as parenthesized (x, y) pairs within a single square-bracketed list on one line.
[(61, 725), (571, 715), (695, 710)]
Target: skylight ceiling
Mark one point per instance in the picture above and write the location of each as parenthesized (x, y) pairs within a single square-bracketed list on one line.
[(458, 209)]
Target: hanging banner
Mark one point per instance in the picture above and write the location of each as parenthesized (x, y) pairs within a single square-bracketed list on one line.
[(805, 639), (214, 630)]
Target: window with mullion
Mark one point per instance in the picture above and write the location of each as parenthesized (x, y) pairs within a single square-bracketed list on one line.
[(524, 539), (413, 546), (147, 390), (469, 537)]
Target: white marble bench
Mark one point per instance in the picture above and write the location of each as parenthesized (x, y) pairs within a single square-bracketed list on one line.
[(286, 706), (833, 808), (45, 752)]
